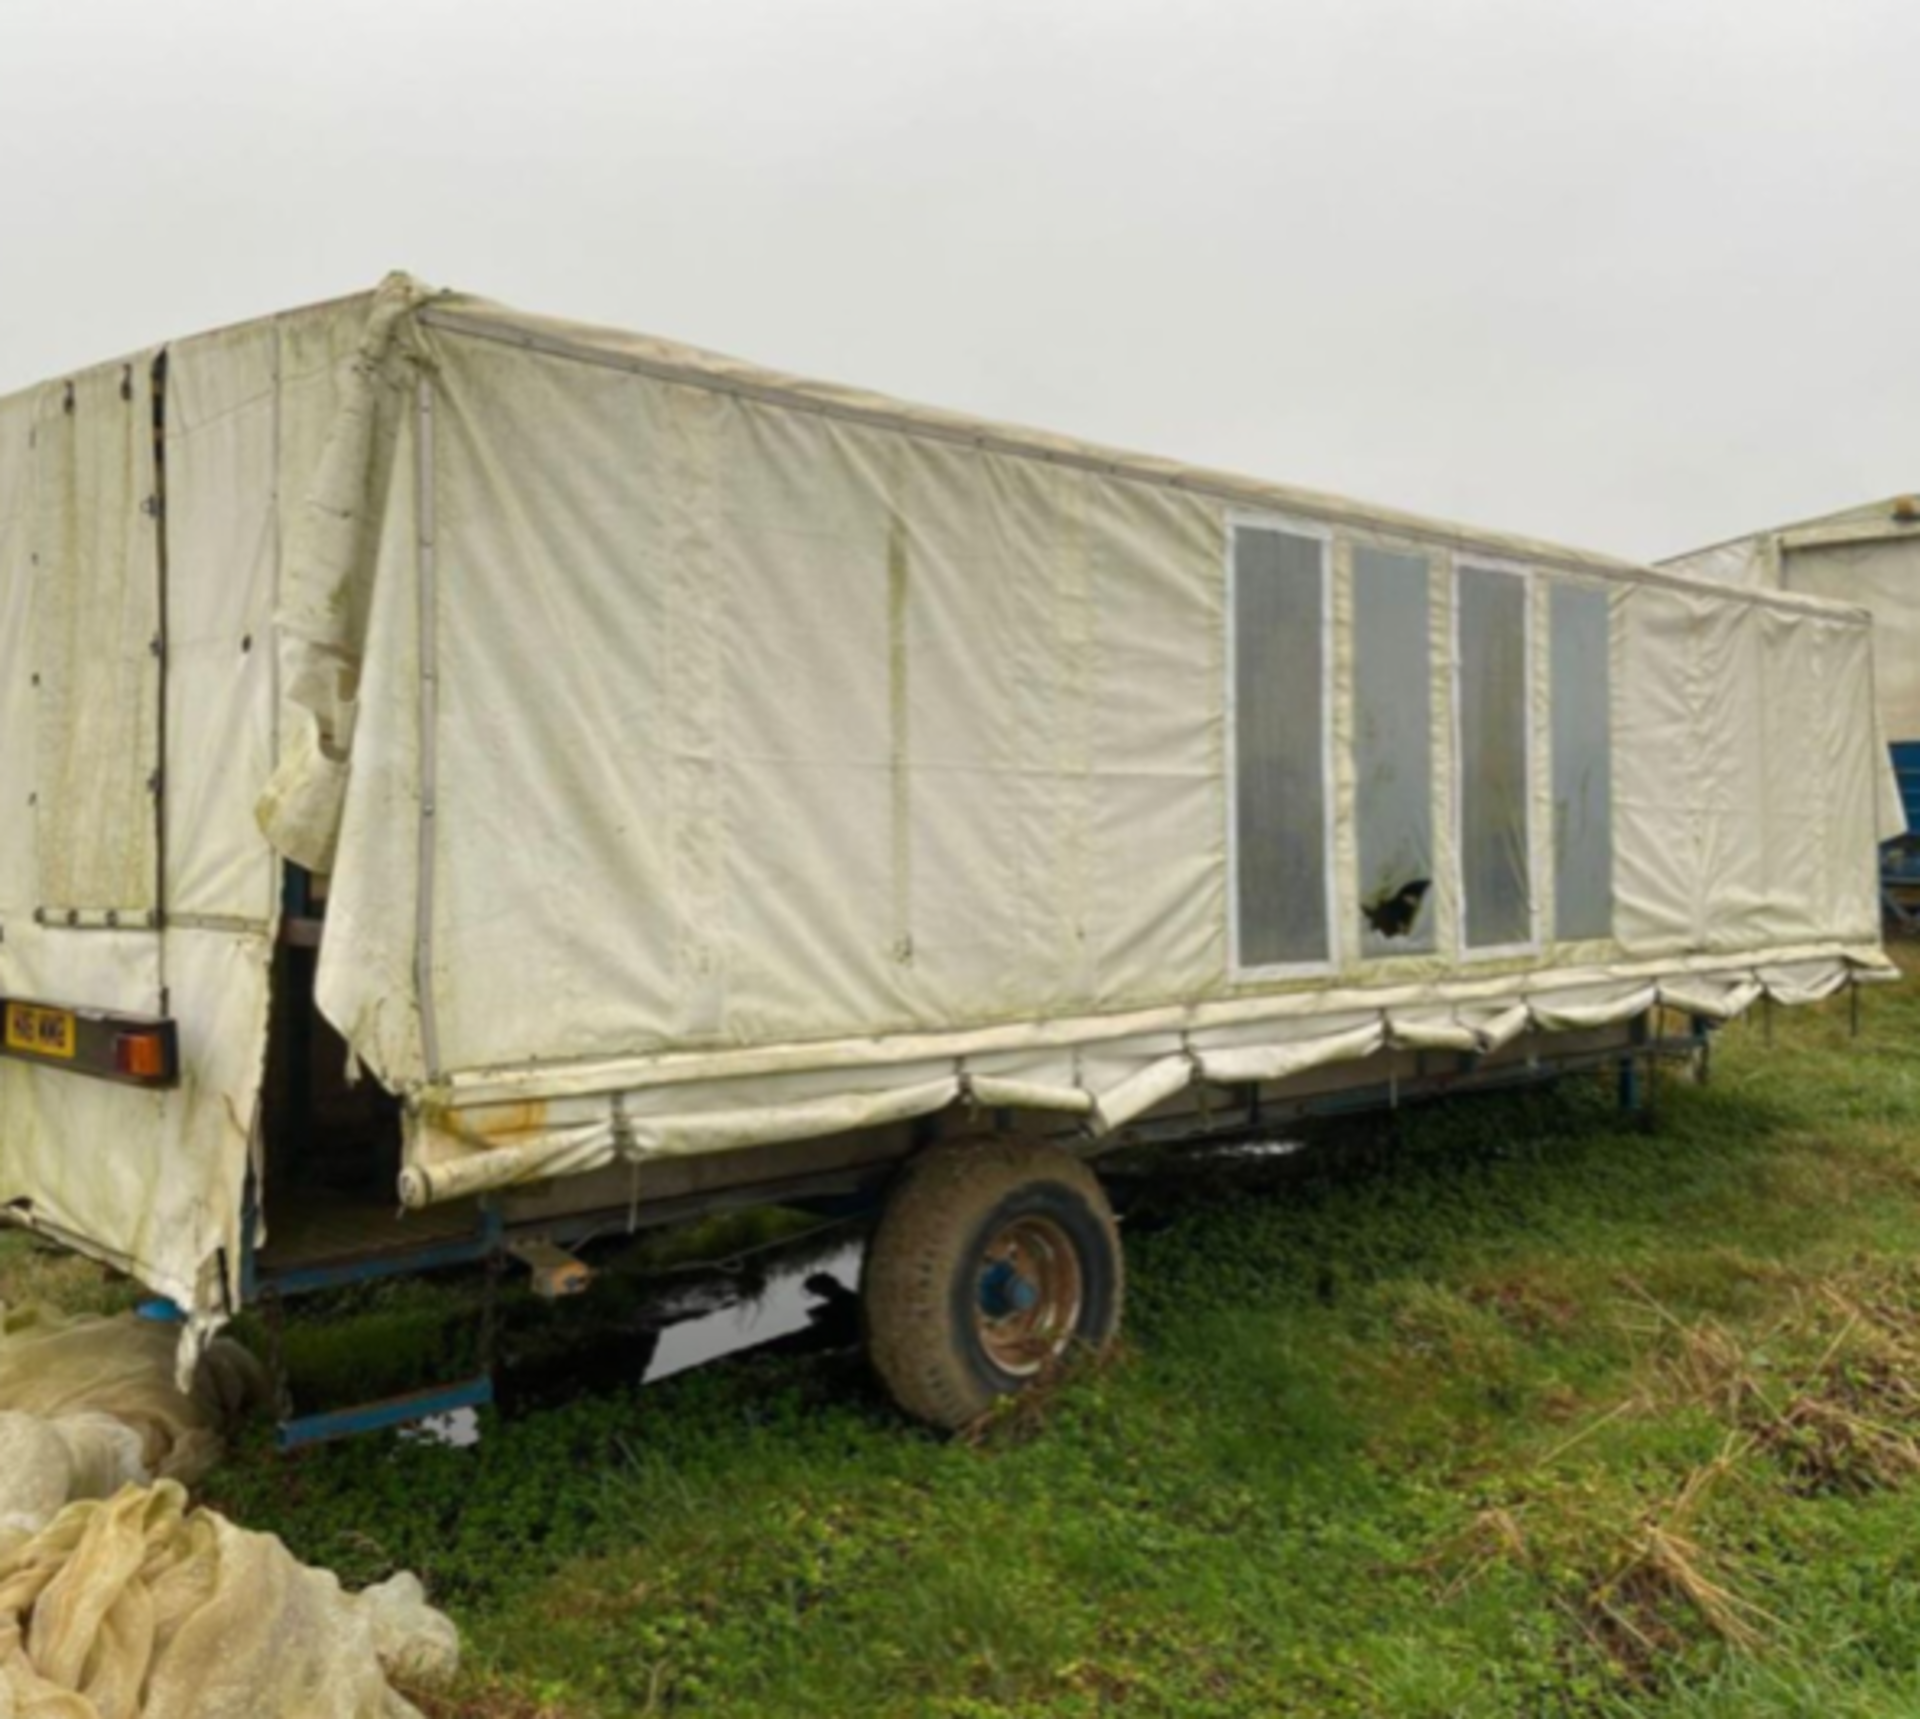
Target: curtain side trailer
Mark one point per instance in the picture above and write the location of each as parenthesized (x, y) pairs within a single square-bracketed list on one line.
[(477, 783)]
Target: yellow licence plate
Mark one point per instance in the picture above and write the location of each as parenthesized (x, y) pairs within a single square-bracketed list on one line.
[(40, 1032)]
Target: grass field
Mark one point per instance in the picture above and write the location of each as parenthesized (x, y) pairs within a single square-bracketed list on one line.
[(1497, 1407)]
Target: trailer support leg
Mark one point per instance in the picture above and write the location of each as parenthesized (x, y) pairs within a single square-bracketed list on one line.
[(1702, 1031), (273, 1314), (1629, 1086)]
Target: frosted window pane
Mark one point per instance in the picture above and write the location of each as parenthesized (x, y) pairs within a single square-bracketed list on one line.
[(1582, 765), (1493, 758), (1280, 791), (1393, 751)]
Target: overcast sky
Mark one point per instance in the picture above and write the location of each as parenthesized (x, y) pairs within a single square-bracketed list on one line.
[(1632, 275)]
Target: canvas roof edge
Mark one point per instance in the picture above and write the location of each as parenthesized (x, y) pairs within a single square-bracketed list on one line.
[(669, 360), (674, 362), (1882, 513), (174, 343), (462, 313)]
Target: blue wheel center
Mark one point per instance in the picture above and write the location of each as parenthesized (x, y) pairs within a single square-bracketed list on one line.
[(1003, 1291)]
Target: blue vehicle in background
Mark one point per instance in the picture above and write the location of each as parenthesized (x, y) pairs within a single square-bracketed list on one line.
[(1900, 858)]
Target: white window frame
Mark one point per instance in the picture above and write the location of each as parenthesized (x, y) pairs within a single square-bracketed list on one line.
[(1238, 971), (1464, 951)]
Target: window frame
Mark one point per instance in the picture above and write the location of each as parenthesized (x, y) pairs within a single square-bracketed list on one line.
[(1464, 950), (1238, 971)]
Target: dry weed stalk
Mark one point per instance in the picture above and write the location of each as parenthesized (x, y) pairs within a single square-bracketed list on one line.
[(1656, 1575), (1830, 1390), (1628, 1608), (1022, 1417), (1493, 1537), (1839, 1423)]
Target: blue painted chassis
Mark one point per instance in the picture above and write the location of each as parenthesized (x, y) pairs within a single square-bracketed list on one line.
[(488, 1239)]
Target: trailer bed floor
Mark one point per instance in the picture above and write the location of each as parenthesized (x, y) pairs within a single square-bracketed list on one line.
[(324, 1227)]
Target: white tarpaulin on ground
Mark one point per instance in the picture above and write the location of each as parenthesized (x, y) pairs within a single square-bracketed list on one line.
[(118, 1601), (703, 757)]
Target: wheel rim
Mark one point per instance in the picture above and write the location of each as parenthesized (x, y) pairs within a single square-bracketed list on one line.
[(1028, 1295)]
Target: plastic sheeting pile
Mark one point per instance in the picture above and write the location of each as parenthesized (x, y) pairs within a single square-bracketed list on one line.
[(120, 1601)]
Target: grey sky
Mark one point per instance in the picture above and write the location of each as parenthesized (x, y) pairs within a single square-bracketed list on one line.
[(1627, 274)]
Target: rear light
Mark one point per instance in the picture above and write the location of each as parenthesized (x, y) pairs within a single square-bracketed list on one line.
[(140, 1056), (136, 1050)]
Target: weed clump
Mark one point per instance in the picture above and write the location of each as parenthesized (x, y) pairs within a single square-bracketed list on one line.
[(1640, 1593), (1024, 1416), (1663, 1570), (1822, 1401), (1831, 1390)]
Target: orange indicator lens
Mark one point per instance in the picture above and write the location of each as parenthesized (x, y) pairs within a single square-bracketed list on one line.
[(140, 1055)]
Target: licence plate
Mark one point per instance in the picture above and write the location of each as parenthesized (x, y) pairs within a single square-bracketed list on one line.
[(41, 1032)]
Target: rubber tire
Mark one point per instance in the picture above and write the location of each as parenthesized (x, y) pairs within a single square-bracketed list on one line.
[(921, 1275)]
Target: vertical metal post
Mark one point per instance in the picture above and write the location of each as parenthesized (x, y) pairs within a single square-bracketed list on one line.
[(1702, 1032), (273, 1312), (1635, 1087), (490, 1313), (493, 1225), (429, 721), (1629, 1086), (157, 507)]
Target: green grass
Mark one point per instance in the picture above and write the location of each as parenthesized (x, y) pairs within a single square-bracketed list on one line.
[(1498, 1407)]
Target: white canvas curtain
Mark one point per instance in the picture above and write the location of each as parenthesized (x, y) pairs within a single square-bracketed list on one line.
[(703, 758)]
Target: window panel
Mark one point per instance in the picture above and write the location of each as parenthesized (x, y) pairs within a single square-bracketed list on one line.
[(1492, 658), (1279, 734), (1582, 764), (1393, 750), (96, 623)]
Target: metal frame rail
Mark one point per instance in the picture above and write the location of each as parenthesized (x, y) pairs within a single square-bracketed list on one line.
[(489, 1241)]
